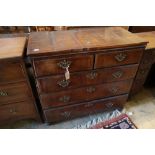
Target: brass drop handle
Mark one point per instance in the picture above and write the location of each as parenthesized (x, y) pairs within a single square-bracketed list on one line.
[(88, 105), (120, 57), (3, 93), (64, 64), (117, 74), (13, 111), (64, 99), (63, 83), (114, 90), (109, 105), (66, 114), (92, 75), (91, 89)]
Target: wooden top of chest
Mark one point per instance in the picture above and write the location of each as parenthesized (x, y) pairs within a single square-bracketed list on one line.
[(150, 37), (12, 47), (68, 41)]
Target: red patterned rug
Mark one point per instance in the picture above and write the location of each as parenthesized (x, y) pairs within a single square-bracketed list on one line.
[(120, 122)]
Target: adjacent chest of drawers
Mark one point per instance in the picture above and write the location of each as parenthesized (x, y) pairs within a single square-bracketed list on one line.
[(16, 98), (101, 62), (148, 59)]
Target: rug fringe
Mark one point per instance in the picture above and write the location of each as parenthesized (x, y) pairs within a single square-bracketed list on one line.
[(106, 116)]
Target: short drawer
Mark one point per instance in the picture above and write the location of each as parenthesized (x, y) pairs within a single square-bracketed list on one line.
[(117, 58), (11, 72), (85, 94), (79, 79), (52, 66), (69, 112), (17, 111), (12, 93)]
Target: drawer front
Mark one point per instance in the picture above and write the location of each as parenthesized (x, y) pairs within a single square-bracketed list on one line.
[(85, 94), (12, 72), (56, 66), (69, 112), (14, 93), (58, 83), (17, 111), (117, 58)]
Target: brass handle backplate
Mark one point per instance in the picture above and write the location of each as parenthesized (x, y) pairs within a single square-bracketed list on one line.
[(114, 90), (64, 99), (13, 111), (89, 105), (117, 74), (64, 64), (91, 89), (120, 57), (92, 75), (2, 93), (109, 105), (66, 114), (64, 83)]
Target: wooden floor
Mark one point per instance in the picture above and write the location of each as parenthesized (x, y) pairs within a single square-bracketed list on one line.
[(141, 110)]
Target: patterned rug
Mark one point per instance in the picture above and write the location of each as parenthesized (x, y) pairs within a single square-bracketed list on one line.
[(120, 122)]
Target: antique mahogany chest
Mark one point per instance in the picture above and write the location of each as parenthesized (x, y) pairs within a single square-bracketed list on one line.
[(148, 59), (80, 72), (16, 98)]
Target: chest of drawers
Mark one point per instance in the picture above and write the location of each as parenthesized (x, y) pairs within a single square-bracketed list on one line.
[(16, 98), (102, 64), (148, 59)]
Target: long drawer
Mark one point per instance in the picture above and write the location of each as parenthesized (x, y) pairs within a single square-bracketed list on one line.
[(17, 111), (79, 79), (11, 72), (85, 94), (118, 58), (68, 112), (12, 93), (52, 66)]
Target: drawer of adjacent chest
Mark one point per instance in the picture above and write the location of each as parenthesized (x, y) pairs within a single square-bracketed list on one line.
[(14, 93), (68, 112), (52, 66), (117, 58), (79, 79), (85, 94), (11, 72), (17, 111)]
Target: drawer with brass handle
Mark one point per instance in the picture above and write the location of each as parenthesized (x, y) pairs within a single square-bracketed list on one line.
[(52, 66), (84, 94), (118, 58), (14, 93), (72, 111), (80, 79), (17, 111)]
